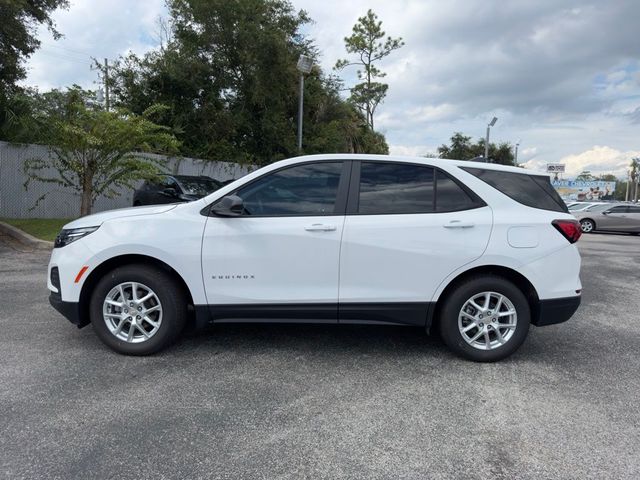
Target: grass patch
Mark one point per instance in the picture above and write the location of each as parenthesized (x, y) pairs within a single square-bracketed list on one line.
[(42, 228)]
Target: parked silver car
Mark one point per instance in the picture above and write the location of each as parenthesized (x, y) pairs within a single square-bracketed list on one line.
[(580, 206), (611, 217)]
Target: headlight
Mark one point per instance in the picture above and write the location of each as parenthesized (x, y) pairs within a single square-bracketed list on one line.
[(67, 236)]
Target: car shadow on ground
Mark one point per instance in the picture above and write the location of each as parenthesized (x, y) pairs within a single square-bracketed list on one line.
[(349, 339)]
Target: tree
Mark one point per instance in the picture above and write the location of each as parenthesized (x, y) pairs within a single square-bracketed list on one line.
[(227, 72), (607, 177), (462, 148), (94, 151), (585, 176), (20, 21), (368, 48), (634, 175)]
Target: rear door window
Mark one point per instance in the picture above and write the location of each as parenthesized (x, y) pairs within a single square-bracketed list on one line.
[(395, 188), (531, 190), (620, 209)]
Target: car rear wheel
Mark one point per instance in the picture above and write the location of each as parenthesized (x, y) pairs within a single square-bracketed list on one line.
[(485, 319), (587, 225), (138, 309)]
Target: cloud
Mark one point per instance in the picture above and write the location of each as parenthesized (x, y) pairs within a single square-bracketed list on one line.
[(597, 160), (561, 75), (99, 29), (412, 151)]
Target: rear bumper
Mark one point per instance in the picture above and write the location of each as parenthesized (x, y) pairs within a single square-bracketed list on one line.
[(70, 310), (556, 310)]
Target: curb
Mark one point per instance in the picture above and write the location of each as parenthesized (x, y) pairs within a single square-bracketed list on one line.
[(24, 238)]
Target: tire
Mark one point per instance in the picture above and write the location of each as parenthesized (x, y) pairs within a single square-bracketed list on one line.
[(587, 225), (503, 341), (114, 322)]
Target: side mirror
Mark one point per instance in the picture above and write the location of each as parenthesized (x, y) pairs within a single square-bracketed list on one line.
[(169, 192), (229, 206), (606, 212)]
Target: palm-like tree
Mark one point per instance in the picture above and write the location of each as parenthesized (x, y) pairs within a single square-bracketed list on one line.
[(634, 172)]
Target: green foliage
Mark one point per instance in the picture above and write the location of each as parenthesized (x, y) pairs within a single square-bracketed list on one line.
[(462, 148), (366, 44), (18, 27), (227, 72), (94, 151), (585, 176), (607, 177), (634, 169), (634, 176)]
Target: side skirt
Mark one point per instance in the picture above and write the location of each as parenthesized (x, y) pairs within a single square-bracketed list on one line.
[(400, 313)]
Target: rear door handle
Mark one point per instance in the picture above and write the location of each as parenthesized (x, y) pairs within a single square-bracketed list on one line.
[(458, 224), (320, 227)]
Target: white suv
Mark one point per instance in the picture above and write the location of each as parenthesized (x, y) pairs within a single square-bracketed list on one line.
[(478, 251)]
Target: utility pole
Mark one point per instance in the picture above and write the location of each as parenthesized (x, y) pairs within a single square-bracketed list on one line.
[(106, 84)]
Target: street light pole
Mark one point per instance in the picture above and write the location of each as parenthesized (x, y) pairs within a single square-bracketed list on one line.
[(300, 111), (515, 160), (486, 144), (305, 64)]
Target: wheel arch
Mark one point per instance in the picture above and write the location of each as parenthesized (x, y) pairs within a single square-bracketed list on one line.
[(118, 261), (507, 273)]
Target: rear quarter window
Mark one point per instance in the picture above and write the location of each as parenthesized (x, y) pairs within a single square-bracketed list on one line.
[(531, 190)]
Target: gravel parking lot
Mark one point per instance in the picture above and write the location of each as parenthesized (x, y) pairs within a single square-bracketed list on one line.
[(323, 402)]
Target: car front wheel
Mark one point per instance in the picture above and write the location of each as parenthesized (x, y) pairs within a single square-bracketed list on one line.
[(485, 319), (138, 309)]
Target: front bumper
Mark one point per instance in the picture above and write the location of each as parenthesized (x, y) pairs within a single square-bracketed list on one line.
[(70, 310), (556, 310)]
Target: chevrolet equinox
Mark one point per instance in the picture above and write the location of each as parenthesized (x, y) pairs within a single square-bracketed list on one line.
[(476, 251)]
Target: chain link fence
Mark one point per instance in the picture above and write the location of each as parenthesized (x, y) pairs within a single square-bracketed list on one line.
[(64, 202)]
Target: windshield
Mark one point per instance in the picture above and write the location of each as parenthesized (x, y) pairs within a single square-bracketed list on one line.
[(576, 206), (579, 207), (200, 186), (598, 208)]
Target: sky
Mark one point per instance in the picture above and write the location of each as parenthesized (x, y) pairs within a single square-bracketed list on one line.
[(563, 77)]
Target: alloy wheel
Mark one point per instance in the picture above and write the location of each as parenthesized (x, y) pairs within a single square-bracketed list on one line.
[(586, 226), (132, 312), (487, 320)]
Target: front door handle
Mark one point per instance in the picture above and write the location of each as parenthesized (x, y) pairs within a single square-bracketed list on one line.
[(320, 227), (458, 224)]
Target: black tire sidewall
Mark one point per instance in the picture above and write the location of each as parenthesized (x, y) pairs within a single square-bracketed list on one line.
[(172, 299), (456, 299)]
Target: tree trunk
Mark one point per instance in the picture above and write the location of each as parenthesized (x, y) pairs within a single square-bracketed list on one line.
[(87, 193)]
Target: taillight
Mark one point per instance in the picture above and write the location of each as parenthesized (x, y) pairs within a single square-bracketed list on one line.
[(570, 229)]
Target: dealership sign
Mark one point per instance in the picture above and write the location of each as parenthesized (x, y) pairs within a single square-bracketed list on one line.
[(584, 191), (555, 167)]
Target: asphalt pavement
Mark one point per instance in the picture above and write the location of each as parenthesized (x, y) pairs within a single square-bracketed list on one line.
[(290, 402)]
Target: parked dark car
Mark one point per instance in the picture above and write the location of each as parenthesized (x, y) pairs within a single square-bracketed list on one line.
[(173, 189)]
